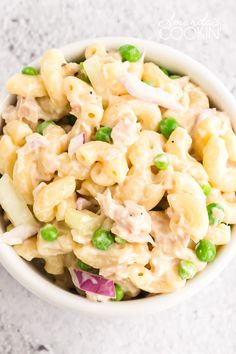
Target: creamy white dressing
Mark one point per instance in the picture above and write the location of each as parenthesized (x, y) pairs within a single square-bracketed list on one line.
[(155, 241)]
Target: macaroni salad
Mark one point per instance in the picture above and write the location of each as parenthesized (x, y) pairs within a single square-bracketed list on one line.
[(116, 174)]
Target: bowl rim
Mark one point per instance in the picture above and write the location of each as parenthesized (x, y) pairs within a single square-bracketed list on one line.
[(37, 284)]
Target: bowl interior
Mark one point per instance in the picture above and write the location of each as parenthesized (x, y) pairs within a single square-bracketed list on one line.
[(31, 278)]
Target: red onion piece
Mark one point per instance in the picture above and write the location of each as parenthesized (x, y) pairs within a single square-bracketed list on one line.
[(93, 283), (19, 234), (75, 143), (144, 92)]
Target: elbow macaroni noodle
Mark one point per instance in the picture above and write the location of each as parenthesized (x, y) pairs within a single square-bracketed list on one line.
[(51, 73), (111, 179)]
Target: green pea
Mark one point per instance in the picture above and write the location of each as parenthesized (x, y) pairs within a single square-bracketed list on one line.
[(42, 126), (174, 77), (205, 251), (86, 267), (206, 188), (82, 75), (102, 239), (119, 240), (49, 233), (162, 161), (29, 70), (104, 134), (148, 82), (119, 293), (167, 126), (130, 53), (165, 71), (187, 269), (215, 213), (83, 266)]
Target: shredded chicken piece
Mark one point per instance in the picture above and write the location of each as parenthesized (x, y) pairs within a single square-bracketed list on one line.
[(177, 224), (33, 143), (9, 114), (125, 132), (166, 240), (83, 203), (28, 109), (131, 221), (161, 263)]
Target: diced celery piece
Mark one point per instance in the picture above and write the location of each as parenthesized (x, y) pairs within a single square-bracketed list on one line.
[(14, 204), (84, 222)]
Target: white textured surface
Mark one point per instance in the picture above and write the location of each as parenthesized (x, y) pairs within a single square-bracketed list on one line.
[(206, 324)]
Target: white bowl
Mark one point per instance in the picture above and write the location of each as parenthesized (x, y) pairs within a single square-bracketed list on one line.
[(39, 285)]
